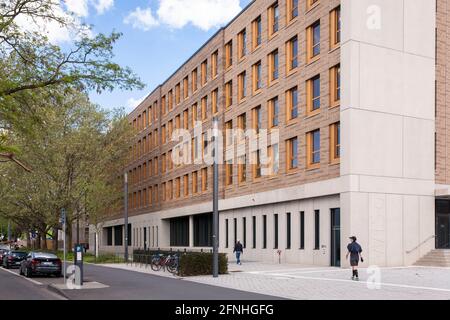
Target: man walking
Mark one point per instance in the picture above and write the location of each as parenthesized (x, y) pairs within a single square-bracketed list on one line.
[(238, 249), (354, 250)]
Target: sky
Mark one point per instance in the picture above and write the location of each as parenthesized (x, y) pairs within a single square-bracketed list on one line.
[(158, 36)]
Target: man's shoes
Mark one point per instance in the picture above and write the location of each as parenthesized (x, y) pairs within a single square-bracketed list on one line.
[(353, 277)]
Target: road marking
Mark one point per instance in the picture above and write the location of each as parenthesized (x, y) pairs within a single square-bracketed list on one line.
[(18, 275), (362, 282)]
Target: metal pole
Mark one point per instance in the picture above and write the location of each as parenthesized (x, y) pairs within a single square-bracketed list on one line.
[(216, 199), (126, 216), (63, 218), (78, 229), (9, 230)]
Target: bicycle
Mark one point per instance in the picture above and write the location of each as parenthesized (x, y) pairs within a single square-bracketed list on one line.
[(160, 261)]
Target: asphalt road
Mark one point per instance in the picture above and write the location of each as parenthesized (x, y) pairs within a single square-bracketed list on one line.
[(13, 287), (125, 285)]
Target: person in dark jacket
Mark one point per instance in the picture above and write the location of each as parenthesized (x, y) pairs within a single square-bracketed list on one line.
[(238, 249), (354, 250)]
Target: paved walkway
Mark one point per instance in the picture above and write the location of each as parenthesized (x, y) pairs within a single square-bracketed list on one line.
[(318, 283)]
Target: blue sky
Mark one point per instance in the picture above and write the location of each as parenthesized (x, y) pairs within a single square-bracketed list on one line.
[(156, 40)]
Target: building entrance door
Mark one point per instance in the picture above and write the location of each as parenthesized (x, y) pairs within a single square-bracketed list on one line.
[(145, 238), (442, 224), (336, 237)]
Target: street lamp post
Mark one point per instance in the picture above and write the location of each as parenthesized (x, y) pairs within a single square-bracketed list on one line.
[(126, 216), (216, 199)]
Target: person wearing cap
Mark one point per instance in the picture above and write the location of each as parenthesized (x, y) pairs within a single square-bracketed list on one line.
[(354, 250), (238, 249)]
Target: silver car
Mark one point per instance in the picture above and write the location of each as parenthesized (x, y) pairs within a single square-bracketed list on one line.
[(41, 263)]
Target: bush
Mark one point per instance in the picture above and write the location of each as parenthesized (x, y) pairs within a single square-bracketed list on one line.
[(196, 264)]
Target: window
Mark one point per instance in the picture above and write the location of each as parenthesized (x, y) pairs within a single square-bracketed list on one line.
[(228, 94), (335, 86), (226, 233), (186, 119), (274, 17), (264, 232), (229, 173), (311, 3), (273, 66), (313, 42), (256, 112), (186, 185), (288, 230), (214, 101), (194, 182), (155, 110), (254, 232), (292, 9), (235, 229), (169, 129), (335, 142), (275, 227), (292, 54), (242, 85), (169, 159), (257, 72), (179, 232), (274, 160), (204, 69), (292, 153), (292, 104), (229, 54), (170, 190), (242, 169), (313, 95), (316, 229), (256, 33), (313, 148), (229, 133), (214, 64), (185, 88), (242, 125), (170, 100), (273, 112), (163, 163), (163, 105), (194, 79), (177, 187), (204, 179), (302, 230), (204, 104), (178, 122), (335, 28), (178, 93), (150, 196), (242, 44), (244, 232), (257, 164), (194, 114)]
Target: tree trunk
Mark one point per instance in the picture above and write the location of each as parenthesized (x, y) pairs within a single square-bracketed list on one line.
[(38, 241), (43, 241), (69, 237), (55, 239)]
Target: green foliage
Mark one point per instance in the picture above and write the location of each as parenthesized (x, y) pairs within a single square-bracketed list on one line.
[(195, 264)]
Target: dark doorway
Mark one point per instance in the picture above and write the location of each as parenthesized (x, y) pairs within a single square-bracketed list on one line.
[(203, 230), (336, 237), (145, 238), (442, 224)]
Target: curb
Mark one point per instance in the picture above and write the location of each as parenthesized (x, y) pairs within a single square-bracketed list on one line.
[(60, 292)]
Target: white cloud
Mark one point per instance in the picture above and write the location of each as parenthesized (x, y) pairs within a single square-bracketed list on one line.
[(103, 5), (132, 103), (204, 14), (141, 19), (78, 7)]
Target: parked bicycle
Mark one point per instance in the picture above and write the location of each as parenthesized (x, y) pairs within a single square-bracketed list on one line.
[(161, 261)]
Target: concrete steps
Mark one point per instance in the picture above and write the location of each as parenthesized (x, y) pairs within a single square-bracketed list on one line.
[(435, 258)]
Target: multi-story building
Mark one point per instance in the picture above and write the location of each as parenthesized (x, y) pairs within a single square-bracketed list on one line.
[(287, 66)]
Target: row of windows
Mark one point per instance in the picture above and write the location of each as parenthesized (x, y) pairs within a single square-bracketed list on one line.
[(145, 237), (191, 85), (275, 224)]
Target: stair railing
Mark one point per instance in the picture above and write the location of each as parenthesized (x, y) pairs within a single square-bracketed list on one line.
[(420, 244)]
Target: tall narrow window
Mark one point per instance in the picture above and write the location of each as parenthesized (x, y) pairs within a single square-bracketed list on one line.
[(256, 33), (186, 185), (311, 3), (264, 246), (229, 54), (204, 104), (194, 182), (292, 153), (254, 232), (273, 112), (256, 112), (228, 94), (335, 86), (229, 173), (257, 77), (335, 142), (242, 44), (257, 164), (170, 100), (316, 229), (335, 28), (273, 66), (194, 114), (313, 148), (292, 9), (226, 233), (275, 227), (178, 122), (302, 230), (292, 54), (204, 69), (235, 230), (242, 126), (242, 169), (163, 105), (313, 95), (214, 64), (170, 189), (186, 119), (274, 160), (288, 230), (177, 187), (292, 104), (185, 88), (214, 101), (229, 133), (313, 41), (194, 79), (244, 232), (242, 86), (274, 18), (204, 179)]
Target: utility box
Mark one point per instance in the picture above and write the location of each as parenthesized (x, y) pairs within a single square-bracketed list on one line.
[(78, 256)]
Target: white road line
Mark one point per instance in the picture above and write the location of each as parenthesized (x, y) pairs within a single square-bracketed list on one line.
[(363, 282), (18, 275), (289, 270)]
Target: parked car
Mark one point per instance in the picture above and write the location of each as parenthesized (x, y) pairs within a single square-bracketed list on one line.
[(3, 251), (41, 263), (13, 259)]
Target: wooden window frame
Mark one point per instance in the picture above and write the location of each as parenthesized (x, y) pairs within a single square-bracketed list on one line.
[(194, 114), (170, 100), (186, 87), (163, 105), (229, 54), (271, 112), (177, 187), (170, 189), (274, 71), (256, 77), (186, 119), (186, 185), (228, 94), (335, 30), (204, 108), (229, 173), (205, 179), (242, 170), (169, 160), (195, 182), (256, 33), (290, 9), (178, 94), (310, 57), (270, 155), (215, 101), (228, 133), (257, 119), (290, 154), (256, 167), (242, 44), (310, 150), (335, 145), (335, 73), (194, 80), (310, 4), (289, 104), (290, 55), (242, 83), (242, 125), (169, 129), (214, 64), (204, 73), (271, 19), (310, 96)]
